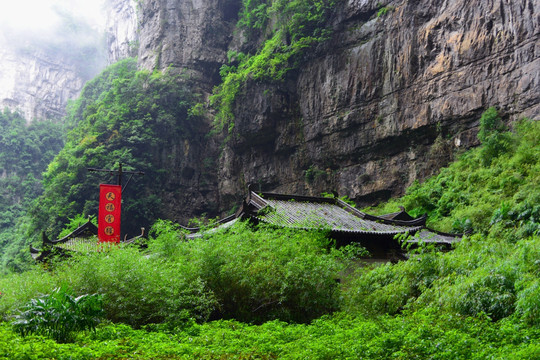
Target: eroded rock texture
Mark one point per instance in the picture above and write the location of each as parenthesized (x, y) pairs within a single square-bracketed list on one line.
[(386, 101), (121, 29), (189, 35), (37, 84)]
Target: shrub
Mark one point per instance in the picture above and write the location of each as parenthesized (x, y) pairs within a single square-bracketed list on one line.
[(493, 136), (491, 293), (258, 274), (59, 314), (528, 301), (140, 289)]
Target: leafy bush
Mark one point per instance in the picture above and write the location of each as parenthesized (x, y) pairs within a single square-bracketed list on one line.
[(493, 136), (59, 314), (528, 302), (257, 274), (18, 289), (139, 289), (490, 292), (242, 273)]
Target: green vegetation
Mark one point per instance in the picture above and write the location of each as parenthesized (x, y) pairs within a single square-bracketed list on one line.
[(126, 116), (261, 293), (313, 173), (59, 314), (383, 10), (495, 185), (296, 26), (241, 273), (25, 151), (123, 115)]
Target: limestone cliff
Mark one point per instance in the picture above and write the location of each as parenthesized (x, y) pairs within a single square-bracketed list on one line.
[(37, 83), (386, 101), (192, 36), (121, 29), (41, 69)]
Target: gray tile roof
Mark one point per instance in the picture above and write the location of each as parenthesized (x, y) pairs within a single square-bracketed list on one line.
[(431, 236), (324, 215)]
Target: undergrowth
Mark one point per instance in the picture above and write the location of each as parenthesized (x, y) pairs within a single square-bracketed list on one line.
[(184, 297), (496, 183)]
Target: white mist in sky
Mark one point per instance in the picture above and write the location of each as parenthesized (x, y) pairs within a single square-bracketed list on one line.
[(28, 16), (45, 47)]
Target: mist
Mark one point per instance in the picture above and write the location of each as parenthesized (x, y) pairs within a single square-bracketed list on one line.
[(35, 17), (70, 29)]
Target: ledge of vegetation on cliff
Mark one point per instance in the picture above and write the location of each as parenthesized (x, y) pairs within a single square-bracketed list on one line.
[(288, 29)]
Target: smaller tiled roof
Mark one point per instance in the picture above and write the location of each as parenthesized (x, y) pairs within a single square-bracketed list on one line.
[(86, 230), (426, 235), (83, 240)]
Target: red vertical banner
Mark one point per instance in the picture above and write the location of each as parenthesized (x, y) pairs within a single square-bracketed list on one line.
[(110, 202)]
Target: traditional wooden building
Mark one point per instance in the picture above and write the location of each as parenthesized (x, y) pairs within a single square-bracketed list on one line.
[(345, 224), (83, 239)]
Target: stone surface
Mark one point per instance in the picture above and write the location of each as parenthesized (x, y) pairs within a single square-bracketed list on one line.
[(121, 29), (388, 100), (40, 72), (191, 36), (37, 84)]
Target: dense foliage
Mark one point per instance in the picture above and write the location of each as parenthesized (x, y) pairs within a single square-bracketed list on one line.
[(495, 184), (242, 273), (296, 26), (479, 301), (25, 151), (416, 336), (59, 314), (122, 116)]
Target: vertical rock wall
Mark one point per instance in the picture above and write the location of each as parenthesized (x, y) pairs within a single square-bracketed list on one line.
[(388, 100), (191, 36), (121, 29), (37, 84)]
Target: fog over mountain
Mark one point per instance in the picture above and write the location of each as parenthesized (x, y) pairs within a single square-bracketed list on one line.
[(48, 49), (42, 18)]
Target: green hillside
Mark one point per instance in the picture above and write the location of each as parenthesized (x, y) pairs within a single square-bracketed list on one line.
[(123, 115), (259, 293), (25, 152)]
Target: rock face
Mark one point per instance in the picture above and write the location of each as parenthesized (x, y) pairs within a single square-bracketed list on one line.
[(192, 36), (388, 99), (385, 102), (121, 29), (37, 84), (41, 70)]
